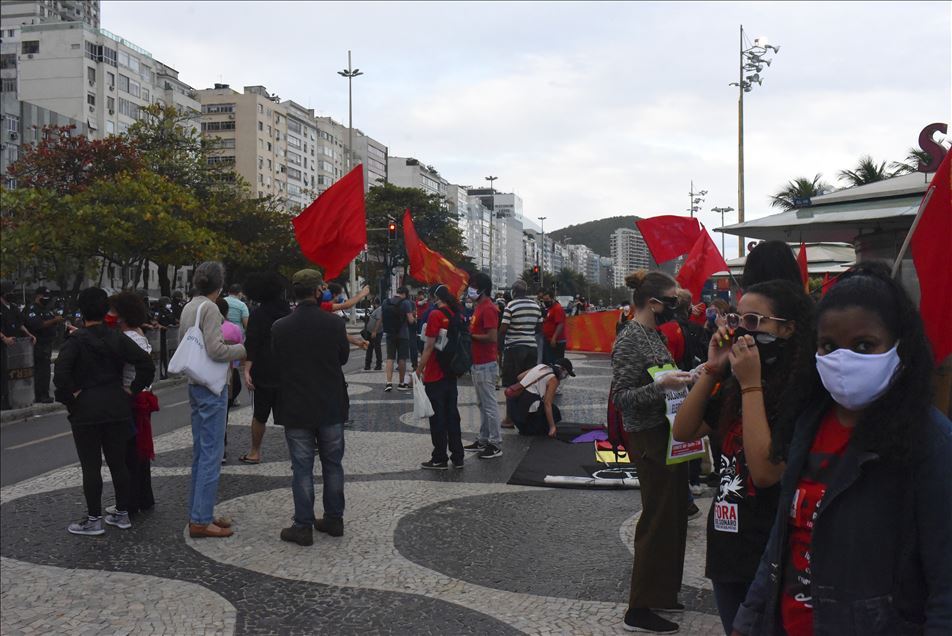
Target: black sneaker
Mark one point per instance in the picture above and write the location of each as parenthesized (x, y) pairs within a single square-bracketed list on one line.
[(457, 466), (475, 447), (366, 368), (301, 535), (693, 511), (432, 465), (334, 526), (490, 451), (646, 621), (388, 388), (403, 386), (677, 608)]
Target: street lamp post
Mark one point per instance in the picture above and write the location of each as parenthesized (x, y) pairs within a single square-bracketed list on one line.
[(697, 198), (752, 60), (722, 211), (542, 265), (350, 74), (492, 219)]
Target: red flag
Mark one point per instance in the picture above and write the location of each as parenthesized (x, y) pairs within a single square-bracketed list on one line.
[(802, 263), (669, 236), (333, 229), (826, 283), (931, 246), (702, 261), (429, 266)]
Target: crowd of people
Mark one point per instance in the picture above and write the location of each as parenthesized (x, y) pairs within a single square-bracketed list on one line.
[(832, 510)]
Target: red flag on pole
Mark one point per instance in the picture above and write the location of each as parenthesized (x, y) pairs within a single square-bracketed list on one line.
[(429, 266), (826, 284), (931, 246), (703, 260), (802, 263), (669, 236), (333, 229)]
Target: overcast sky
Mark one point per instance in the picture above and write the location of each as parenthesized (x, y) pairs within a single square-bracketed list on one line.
[(586, 110)]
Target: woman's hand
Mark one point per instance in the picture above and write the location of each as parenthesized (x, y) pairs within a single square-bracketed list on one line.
[(719, 349), (248, 382), (674, 380), (745, 362)]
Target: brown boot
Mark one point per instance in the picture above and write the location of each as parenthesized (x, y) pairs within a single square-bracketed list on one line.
[(200, 531)]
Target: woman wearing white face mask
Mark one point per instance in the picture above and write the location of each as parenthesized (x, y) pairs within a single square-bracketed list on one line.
[(862, 542)]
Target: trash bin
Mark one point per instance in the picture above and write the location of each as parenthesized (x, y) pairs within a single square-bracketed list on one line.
[(20, 373)]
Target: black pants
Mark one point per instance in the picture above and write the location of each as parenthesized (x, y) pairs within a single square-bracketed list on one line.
[(414, 348), (550, 354), (515, 360), (729, 596), (42, 356), (537, 423), (374, 349), (93, 441), (4, 379), (235, 385), (445, 421), (140, 480)]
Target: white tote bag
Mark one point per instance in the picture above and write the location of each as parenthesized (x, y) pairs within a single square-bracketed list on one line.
[(421, 403), (193, 360)]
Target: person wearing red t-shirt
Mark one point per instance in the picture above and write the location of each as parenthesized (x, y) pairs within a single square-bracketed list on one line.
[(553, 329), (860, 543), (485, 369), (440, 385)]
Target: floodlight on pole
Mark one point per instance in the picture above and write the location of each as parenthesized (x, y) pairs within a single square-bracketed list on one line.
[(350, 73)]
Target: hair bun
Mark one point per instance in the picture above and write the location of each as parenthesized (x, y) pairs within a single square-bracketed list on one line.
[(636, 279)]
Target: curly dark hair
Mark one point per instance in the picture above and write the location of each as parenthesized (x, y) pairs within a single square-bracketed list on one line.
[(130, 307), (770, 260), (787, 300), (262, 287), (891, 426)]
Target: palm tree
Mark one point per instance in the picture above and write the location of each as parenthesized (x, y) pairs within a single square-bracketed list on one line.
[(799, 188), (914, 157), (867, 171)]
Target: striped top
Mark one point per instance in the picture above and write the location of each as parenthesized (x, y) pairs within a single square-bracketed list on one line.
[(522, 317)]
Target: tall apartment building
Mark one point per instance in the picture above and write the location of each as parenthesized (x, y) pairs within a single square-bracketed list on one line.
[(251, 128), (629, 252), (408, 172), (374, 155), (21, 122), (584, 261), (301, 164)]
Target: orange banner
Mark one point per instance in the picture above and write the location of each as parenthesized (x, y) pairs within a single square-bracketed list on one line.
[(591, 332)]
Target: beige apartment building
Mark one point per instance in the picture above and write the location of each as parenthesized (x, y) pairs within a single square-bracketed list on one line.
[(252, 131)]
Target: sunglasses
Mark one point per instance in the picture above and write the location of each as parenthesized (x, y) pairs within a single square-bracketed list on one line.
[(671, 302), (750, 322)]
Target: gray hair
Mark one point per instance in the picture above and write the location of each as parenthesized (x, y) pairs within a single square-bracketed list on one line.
[(519, 289), (209, 277)]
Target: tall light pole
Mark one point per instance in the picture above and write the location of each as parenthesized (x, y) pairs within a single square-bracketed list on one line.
[(722, 211), (752, 60), (492, 219), (697, 198), (350, 74), (542, 265)]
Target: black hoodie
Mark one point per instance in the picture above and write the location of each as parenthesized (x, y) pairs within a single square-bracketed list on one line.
[(91, 362)]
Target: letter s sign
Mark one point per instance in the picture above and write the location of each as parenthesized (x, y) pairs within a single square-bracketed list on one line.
[(929, 145)]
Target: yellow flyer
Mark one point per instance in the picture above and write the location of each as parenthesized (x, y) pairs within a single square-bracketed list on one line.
[(677, 451)]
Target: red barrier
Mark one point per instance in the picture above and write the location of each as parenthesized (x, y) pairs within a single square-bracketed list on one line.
[(591, 332)]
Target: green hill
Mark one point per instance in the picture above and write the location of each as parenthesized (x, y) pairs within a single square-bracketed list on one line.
[(595, 234)]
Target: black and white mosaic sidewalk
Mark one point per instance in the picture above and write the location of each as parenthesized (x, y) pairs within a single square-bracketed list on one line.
[(457, 552)]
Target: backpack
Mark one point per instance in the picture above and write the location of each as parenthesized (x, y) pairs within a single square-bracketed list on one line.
[(392, 320), (456, 358), (695, 346)]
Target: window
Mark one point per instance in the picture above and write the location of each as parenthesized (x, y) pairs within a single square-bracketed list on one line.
[(145, 94), (208, 126), (269, 131), (328, 152), (110, 127), (270, 169), (134, 88), (8, 60), (294, 142), (12, 153), (218, 108), (127, 108), (260, 163), (9, 85), (111, 78), (377, 152), (134, 64), (261, 126), (227, 160), (123, 58), (293, 157), (91, 74), (13, 123), (294, 126), (294, 190), (146, 74), (260, 109), (226, 143), (294, 173), (108, 55), (91, 99), (123, 83), (111, 103), (326, 167), (269, 146), (277, 135), (30, 46)]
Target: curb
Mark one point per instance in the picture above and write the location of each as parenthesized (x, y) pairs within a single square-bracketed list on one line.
[(18, 415)]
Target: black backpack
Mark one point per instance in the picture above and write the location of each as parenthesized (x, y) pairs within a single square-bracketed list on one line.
[(391, 317), (456, 358), (695, 345)]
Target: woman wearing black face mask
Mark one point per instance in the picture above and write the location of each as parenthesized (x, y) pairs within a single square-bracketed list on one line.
[(764, 342)]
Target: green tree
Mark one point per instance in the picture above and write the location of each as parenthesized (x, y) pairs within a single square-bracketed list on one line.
[(914, 157), (866, 171), (799, 188)]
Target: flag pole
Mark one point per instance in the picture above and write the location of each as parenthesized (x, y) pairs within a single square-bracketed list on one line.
[(912, 230)]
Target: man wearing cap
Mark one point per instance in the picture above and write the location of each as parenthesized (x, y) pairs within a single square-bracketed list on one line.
[(11, 328), (311, 405), (42, 322), (535, 412)]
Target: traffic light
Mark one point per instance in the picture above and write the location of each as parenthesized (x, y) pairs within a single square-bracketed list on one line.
[(536, 274), (391, 231)]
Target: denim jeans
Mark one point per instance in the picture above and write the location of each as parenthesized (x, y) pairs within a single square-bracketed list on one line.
[(329, 441), (444, 423), (209, 412), (484, 381)]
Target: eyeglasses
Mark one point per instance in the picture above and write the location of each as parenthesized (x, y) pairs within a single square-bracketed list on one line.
[(670, 302), (750, 322)]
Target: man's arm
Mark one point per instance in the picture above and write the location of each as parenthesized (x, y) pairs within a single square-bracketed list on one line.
[(350, 302)]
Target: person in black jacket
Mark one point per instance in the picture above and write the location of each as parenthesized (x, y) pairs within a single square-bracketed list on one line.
[(312, 405), (88, 380)]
